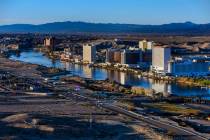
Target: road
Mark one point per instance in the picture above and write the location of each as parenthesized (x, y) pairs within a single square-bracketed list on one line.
[(158, 123)]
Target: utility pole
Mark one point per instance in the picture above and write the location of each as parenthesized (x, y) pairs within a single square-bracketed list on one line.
[(90, 121)]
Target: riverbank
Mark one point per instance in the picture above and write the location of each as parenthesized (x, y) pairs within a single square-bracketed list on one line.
[(124, 78), (106, 85), (124, 69), (184, 81), (28, 69), (140, 73), (51, 72), (21, 69), (205, 83)]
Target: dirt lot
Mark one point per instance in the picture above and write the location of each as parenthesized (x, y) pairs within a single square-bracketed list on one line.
[(19, 68), (32, 117)]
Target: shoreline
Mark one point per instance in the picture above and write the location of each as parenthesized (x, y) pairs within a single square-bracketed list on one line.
[(131, 71), (96, 84), (144, 74), (44, 71), (167, 79)]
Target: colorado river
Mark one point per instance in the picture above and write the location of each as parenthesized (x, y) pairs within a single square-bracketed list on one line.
[(102, 74)]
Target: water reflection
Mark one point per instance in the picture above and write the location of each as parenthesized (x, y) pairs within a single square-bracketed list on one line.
[(36, 58), (120, 77), (85, 71), (162, 87)]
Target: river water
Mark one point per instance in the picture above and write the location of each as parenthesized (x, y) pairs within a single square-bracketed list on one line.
[(102, 74)]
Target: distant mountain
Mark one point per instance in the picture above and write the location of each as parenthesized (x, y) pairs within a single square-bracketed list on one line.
[(186, 28)]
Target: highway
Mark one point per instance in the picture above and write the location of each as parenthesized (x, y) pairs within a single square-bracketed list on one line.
[(158, 123), (149, 120)]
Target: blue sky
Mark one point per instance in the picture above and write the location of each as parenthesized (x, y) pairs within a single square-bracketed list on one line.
[(104, 11)]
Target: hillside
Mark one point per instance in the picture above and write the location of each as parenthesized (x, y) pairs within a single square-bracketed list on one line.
[(186, 28)]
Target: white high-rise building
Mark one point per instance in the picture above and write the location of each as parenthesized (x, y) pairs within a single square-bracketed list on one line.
[(89, 53), (150, 45), (146, 45), (161, 56)]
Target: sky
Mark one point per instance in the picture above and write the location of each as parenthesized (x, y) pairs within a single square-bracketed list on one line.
[(153, 12)]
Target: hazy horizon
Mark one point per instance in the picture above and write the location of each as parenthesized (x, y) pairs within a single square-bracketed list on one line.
[(96, 23)]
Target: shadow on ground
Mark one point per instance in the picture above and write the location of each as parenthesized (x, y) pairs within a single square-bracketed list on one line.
[(62, 127)]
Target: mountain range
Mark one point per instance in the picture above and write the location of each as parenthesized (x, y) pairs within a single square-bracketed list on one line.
[(187, 28)]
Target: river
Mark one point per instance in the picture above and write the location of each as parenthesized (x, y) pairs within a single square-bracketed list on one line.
[(102, 74)]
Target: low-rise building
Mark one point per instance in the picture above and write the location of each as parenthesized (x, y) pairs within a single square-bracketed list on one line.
[(131, 57), (189, 66), (113, 56), (128, 57), (13, 47)]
